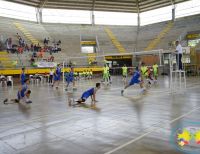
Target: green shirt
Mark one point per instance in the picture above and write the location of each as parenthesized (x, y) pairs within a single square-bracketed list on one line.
[(155, 68), (144, 70), (124, 70)]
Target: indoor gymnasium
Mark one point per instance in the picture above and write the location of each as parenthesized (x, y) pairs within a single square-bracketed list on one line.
[(99, 77)]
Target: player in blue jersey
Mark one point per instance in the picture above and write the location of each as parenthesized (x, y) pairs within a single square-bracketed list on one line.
[(90, 93), (70, 77), (22, 76), (23, 94), (136, 79), (57, 76)]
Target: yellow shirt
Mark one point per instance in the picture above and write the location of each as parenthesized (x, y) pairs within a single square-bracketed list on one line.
[(124, 70), (155, 68), (144, 70)]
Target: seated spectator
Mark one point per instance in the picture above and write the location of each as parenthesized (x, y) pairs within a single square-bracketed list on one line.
[(59, 42), (34, 54), (3, 80), (23, 43), (20, 41), (48, 41), (40, 54), (9, 81), (9, 44), (18, 36), (32, 60), (51, 59), (45, 41), (14, 48), (26, 48), (35, 48), (32, 47), (20, 50)]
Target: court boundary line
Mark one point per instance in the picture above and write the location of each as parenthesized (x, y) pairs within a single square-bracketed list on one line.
[(144, 135)]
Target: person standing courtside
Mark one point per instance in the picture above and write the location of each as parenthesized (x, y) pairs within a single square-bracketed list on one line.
[(179, 52), (51, 76)]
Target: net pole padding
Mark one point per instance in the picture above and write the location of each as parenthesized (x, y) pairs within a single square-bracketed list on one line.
[(63, 72)]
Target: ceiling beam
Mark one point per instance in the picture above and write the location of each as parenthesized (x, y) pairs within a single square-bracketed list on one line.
[(42, 3), (30, 3), (133, 6)]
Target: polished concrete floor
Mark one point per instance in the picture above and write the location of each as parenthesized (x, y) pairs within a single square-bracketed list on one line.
[(129, 124)]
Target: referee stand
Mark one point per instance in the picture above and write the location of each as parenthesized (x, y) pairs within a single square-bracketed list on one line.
[(177, 76)]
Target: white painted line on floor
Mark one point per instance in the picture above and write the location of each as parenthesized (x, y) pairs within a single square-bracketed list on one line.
[(144, 135)]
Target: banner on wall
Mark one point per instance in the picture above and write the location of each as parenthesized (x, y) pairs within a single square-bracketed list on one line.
[(45, 64)]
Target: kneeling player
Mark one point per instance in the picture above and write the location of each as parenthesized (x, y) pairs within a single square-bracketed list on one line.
[(90, 93), (23, 95)]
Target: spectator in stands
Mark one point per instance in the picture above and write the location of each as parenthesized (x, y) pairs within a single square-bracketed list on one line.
[(35, 48), (45, 42), (20, 49), (48, 41), (51, 59), (26, 48), (32, 60), (34, 54), (59, 42), (18, 36), (20, 41), (14, 48), (23, 43), (179, 52), (32, 47), (9, 44)]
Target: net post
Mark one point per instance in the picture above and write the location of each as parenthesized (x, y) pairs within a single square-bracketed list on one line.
[(63, 72)]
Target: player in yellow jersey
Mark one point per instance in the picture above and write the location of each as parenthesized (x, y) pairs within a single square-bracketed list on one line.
[(124, 73), (155, 71)]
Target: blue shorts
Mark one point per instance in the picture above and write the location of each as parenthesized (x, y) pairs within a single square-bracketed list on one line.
[(134, 81), (20, 95), (22, 82), (69, 80), (56, 78), (85, 95)]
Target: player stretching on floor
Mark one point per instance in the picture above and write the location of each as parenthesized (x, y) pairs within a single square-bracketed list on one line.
[(23, 94), (89, 93), (134, 80)]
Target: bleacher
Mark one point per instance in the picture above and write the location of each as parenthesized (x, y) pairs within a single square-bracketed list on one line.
[(70, 35)]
